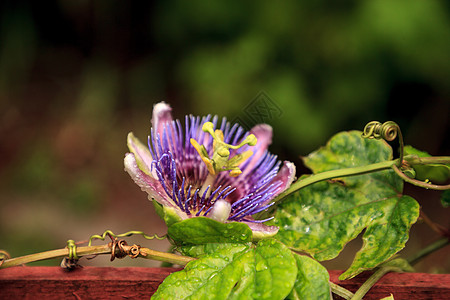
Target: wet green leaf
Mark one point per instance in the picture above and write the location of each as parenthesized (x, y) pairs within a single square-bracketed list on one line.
[(312, 280), (265, 271), (198, 251), (434, 172), (202, 230), (320, 219)]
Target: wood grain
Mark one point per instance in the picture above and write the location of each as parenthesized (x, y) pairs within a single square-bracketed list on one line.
[(124, 283)]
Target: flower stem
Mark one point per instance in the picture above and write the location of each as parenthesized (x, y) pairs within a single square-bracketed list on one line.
[(415, 160), (366, 286), (410, 159), (340, 291), (420, 183), (335, 174)]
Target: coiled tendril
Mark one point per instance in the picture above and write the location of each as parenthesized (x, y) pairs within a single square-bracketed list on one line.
[(387, 131), (126, 234)]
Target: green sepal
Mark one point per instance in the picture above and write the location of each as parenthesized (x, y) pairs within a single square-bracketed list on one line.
[(438, 173), (141, 153), (235, 271), (168, 214), (159, 208), (203, 230), (312, 280)]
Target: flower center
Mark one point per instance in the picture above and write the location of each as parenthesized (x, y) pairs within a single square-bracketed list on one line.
[(220, 160)]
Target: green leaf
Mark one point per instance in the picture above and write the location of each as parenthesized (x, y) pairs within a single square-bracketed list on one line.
[(312, 280), (320, 219), (201, 250), (265, 271), (275, 270), (439, 173), (202, 230)]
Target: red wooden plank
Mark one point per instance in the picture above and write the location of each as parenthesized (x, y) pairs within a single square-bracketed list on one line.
[(82, 283), (123, 283), (401, 285)]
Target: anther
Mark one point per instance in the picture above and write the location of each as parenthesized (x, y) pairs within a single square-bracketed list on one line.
[(220, 160)]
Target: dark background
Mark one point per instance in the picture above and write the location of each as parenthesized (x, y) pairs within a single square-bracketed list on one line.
[(77, 76)]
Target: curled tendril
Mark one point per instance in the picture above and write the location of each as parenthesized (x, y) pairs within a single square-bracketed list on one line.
[(120, 249), (72, 249), (4, 256), (110, 234), (387, 131)]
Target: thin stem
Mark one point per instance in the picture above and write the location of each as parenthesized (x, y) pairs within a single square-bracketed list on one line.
[(340, 291), (335, 174), (95, 250), (165, 257), (416, 160), (81, 251), (428, 250), (366, 286), (420, 183)]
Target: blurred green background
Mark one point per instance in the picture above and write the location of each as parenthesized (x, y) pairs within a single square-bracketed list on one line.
[(77, 76)]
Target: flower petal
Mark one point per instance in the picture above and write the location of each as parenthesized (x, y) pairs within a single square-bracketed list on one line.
[(286, 175), (161, 116), (263, 134), (141, 154), (145, 182)]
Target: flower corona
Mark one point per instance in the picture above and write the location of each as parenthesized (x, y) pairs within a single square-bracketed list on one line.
[(225, 174)]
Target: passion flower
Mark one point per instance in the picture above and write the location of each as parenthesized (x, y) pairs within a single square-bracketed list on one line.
[(206, 169)]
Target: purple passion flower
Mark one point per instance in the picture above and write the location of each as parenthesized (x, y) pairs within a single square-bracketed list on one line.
[(225, 174)]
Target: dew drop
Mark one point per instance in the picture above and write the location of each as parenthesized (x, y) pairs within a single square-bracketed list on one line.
[(212, 275), (260, 266), (195, 279)]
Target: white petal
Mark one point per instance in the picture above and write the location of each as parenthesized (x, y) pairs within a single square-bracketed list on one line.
[(145, 182)]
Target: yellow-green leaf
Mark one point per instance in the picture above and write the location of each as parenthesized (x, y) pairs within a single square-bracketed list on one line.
[(320, 219), (312, 280)]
